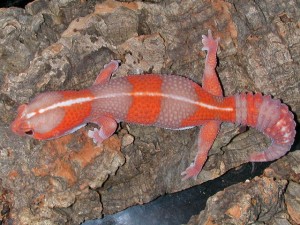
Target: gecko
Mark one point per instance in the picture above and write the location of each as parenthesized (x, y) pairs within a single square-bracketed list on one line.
[(167, 101)]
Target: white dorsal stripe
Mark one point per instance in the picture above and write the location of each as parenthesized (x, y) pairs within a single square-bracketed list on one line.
[(115, 95), (29, 115), (175, 97), (61, 104), (67, 103)]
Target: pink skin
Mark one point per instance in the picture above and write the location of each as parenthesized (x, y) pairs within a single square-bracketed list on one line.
[(209, 131), (170, 101)]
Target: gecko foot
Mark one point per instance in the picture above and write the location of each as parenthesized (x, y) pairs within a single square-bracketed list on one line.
[(94, 134), (191, 172), (114, 64), (209, 42)]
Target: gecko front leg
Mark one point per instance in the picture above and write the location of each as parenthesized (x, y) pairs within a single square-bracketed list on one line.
[(107, 127)]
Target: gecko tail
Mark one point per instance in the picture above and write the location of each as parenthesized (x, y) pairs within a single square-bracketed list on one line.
[(272, 118)]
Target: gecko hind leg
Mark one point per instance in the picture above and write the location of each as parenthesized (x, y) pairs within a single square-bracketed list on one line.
[(206, 137), (210, 81)]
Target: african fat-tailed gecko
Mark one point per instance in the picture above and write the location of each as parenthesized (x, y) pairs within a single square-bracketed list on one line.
[(167, 101)]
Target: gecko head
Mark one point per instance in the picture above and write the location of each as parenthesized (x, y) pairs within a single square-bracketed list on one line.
[(37, 119), (20, 126)]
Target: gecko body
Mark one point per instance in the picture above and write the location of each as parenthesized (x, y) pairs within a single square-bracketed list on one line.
[(166, 101)]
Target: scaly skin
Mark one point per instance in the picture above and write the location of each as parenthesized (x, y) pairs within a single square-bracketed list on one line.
[(166, 101)]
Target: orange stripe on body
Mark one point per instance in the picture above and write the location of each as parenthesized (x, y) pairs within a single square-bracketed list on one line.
[(145, 108), (74, 115), (203, 114), (253, 106)]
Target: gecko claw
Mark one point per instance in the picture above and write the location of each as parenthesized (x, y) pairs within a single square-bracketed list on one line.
[(191, 172), (209, 42), (94, 134)]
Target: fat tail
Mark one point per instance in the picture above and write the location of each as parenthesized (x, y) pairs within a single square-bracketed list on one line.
[(269, 116)]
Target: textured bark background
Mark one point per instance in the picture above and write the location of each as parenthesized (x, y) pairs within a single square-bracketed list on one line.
[(63, 44), (272, 198)]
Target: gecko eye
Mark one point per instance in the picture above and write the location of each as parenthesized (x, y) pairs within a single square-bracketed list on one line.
[(29, 132)]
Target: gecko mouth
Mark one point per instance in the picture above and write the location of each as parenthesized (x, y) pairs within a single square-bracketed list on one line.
[(29, 132)]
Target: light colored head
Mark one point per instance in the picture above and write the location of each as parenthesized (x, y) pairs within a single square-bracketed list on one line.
[(40, 118)]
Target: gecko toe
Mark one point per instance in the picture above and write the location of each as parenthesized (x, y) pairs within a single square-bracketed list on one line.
[(190, 172)]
